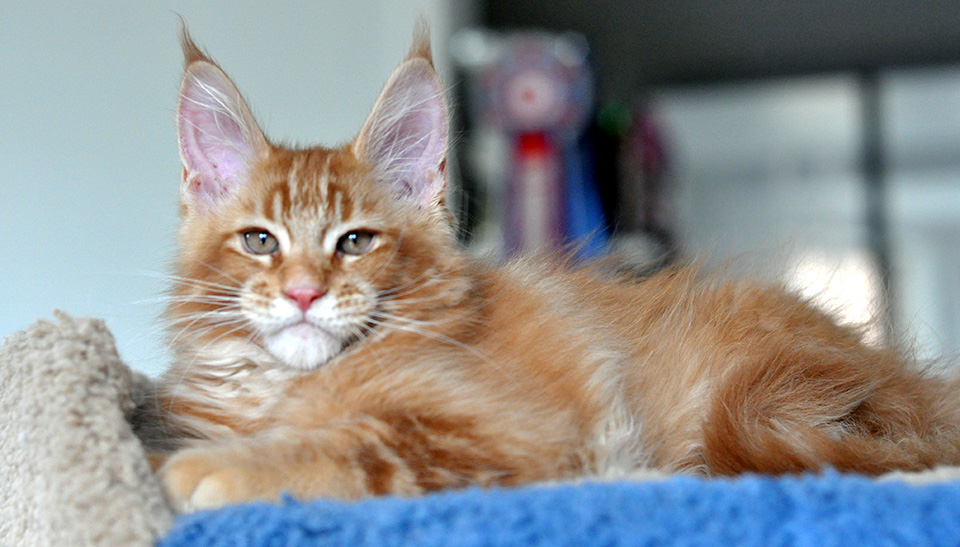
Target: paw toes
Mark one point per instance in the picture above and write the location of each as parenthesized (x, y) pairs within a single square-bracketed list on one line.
[(210, 493), (197, 480)]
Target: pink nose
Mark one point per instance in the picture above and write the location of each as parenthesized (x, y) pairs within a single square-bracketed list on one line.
[(304, 296)]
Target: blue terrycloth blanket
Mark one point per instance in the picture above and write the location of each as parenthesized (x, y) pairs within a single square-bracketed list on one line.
[(811, 511)]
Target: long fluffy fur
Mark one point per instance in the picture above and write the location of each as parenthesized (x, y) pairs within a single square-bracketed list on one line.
[(455, 372)]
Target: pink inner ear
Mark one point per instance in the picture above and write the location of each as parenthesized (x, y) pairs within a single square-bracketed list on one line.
[(408, 150), (406, 134), (215, 136)]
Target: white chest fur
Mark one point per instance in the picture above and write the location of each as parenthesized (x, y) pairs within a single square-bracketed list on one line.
[(229, 383)]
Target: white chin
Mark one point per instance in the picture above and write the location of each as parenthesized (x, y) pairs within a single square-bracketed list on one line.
[(303, 347)]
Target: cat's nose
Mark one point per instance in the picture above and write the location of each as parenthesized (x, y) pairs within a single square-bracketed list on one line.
[(304, 296)]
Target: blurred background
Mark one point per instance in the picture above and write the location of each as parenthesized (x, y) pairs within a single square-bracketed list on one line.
[(813, 143)]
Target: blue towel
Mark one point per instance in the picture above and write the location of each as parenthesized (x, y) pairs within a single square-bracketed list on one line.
[(825, 510)]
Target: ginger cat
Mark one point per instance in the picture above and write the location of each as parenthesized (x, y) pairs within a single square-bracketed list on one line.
[(332, 339)]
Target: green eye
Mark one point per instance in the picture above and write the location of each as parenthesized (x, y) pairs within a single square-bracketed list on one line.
[(260, 242), (355, 243)]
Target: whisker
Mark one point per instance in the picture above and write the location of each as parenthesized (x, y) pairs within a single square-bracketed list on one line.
[(193, 281), (411, 285), (191, 298), (415, 301), (437, 337), (411, 321), (361, 336), (185, 369), (224, 318), (221, 272)]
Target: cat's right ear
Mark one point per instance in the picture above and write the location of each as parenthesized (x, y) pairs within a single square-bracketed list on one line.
[(219, 139)]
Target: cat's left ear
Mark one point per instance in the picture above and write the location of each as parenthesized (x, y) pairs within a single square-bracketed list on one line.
[(405, 137)]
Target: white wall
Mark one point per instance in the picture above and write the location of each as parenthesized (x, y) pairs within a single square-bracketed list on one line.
[(768, 180), (771, 171), (88, 157), (766, 171)]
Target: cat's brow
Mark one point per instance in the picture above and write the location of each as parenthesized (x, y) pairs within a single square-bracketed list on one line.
[(279, 205), (309, 184), (293, 178), (341, 206), (324, 184)]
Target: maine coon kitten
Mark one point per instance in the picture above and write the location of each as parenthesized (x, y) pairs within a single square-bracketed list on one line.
[(333, 340)]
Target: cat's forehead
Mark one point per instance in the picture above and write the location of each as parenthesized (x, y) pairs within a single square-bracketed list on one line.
[(316, 186)]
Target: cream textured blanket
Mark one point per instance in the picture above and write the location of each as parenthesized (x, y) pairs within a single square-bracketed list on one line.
[(72, 471)]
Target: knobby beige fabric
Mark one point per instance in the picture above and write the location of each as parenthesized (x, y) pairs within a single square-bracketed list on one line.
[(72, 471)]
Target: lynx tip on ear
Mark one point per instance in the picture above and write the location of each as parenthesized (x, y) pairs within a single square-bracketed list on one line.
[(420, 48), (191, 51)]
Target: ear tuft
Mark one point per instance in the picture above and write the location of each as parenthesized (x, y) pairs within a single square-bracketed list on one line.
[(405, 136), (420, 47), (219, 139), (191, 51)]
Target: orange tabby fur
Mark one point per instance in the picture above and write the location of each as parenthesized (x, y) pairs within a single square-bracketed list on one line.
[(455, 372)]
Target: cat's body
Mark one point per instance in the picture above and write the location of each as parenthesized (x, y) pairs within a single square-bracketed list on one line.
[(333, 340)]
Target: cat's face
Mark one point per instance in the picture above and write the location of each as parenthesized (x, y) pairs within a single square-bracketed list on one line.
[(301, 253)]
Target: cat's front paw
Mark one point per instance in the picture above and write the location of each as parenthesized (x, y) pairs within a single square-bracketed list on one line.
[(198, 478)]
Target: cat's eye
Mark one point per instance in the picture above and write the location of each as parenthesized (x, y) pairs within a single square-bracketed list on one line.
[(355, 243), (260, 242)]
